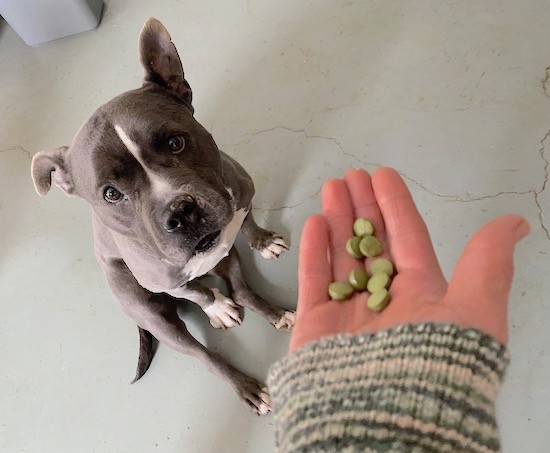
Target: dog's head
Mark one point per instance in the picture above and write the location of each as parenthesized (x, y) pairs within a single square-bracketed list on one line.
[(148, 168)]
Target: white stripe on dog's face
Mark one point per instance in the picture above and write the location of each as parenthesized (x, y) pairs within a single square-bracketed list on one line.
[(161, 187)]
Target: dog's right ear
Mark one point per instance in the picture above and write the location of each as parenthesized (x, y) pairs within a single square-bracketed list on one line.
[(42, 166), (161, 61)]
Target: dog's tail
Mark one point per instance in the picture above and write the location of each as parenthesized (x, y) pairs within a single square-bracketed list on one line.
[(146, 353)]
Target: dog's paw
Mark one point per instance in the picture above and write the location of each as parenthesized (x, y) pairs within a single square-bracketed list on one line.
[(286, 322), (265, 406), (255, 397), (273, 248), (269, 244), (223, 312)]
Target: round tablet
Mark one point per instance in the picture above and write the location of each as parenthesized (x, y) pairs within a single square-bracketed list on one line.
[(379, 300), (352, 247), (370, 246), (358, 279), (363, 227), (340, 291), (379, 280), (382, 265)]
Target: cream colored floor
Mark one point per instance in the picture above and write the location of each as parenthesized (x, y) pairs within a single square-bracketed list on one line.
[(452, 94)]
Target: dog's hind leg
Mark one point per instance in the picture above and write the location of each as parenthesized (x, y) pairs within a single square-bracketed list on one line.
[(157, 314), (230, 270)]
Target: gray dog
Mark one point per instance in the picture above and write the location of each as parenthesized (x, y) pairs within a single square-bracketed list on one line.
[(167, 206)]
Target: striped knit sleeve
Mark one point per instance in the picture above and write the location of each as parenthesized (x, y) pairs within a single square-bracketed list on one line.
[(414, 388)]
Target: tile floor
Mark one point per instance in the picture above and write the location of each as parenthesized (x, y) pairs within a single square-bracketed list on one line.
[(455, 96)]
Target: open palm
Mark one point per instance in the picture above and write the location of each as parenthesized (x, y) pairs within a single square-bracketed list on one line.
[(477, 295)]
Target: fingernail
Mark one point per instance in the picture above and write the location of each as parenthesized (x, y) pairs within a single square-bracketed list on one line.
[(522, 229)]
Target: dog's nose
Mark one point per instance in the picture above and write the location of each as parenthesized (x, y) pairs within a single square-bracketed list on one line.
[(183, 211)]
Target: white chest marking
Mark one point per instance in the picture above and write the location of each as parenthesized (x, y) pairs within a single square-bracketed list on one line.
[(204, 262), (161, 187)]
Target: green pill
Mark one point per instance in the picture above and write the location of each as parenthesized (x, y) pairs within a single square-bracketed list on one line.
[(363, 227), (382, 265), (340, 291), (352, 247), (370, 246), (379, 280), (358, 279), (379, 300)]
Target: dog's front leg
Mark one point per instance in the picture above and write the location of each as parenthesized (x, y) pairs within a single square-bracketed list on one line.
[(230, 270), (221, 310), (157, 314), (268, 243)]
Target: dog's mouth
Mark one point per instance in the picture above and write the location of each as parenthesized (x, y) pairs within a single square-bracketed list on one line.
[(207, 242)]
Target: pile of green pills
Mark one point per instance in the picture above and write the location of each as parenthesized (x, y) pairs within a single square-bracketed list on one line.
[(365, 244)]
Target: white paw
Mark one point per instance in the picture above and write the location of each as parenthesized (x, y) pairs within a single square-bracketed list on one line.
[(223, 311), (265, 406), (274, 249), (287, 321)]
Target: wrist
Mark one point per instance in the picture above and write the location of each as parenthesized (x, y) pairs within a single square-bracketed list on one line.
[(426, 384)]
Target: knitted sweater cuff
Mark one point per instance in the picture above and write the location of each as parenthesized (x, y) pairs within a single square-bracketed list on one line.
[(426, 387)]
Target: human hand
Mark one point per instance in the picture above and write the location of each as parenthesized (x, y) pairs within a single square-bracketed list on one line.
[(476, 297)]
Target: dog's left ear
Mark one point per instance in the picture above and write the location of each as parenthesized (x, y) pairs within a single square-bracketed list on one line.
[(161, 61)]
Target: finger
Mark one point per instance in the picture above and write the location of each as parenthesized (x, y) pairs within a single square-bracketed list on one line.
[(363, 199), (365, 206), (407, 233), (483, 275), (314, 273), (339, 214)]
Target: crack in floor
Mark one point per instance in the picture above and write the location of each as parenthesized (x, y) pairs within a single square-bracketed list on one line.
[(542, 153), (541, 217), (306, 135), (447, 197), (280, 208), (17, 148), (545, 81)]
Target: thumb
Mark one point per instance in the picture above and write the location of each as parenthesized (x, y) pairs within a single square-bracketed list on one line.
[(483, 275)]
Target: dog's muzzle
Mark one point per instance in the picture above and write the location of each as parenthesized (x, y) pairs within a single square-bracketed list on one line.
[(184, 215)]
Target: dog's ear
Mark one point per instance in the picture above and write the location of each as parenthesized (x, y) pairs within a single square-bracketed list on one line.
[(161, 61), (42, 166)]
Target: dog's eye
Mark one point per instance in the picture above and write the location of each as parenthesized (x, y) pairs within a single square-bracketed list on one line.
[(176, 143), (112, 195)]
